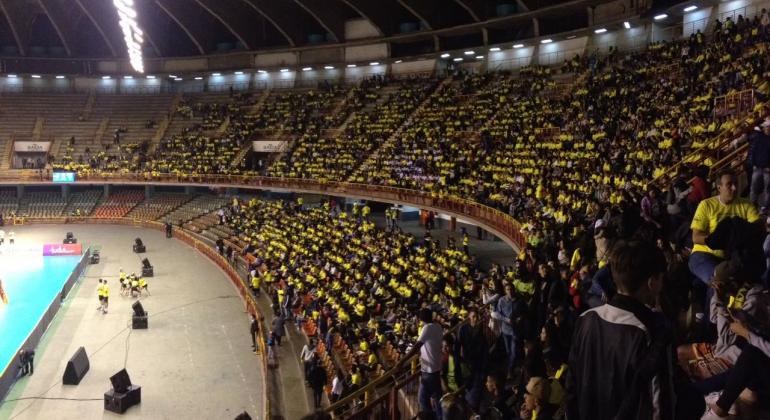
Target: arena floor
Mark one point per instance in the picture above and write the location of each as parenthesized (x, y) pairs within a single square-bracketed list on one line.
[(194, 361)]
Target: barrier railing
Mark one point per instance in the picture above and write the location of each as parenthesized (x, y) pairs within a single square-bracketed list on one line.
[(716, 150), (494, 220)]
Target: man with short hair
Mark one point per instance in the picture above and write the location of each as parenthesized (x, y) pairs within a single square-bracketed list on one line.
[(429, 345), (621, 360), (709, 214)]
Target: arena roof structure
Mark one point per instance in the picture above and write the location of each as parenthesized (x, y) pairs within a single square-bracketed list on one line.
[(173, 28)]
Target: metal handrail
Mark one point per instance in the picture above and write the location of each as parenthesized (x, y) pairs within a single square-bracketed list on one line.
[(498, 222)]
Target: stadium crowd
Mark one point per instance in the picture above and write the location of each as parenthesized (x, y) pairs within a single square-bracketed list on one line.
[(618, 275)]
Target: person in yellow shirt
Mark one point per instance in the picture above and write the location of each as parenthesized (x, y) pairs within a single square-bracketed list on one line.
[(709, 213)]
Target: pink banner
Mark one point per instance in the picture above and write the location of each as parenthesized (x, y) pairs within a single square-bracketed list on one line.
[(62, 249)]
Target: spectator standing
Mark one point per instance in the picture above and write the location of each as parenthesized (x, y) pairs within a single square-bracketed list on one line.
[(317, 380), (759, 158), (307, 356), (278, 328), (474, 351), (509, 309), (429, 345), (254, 331)]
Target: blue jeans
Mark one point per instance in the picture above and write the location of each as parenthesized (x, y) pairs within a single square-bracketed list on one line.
[(510, 347), (430, 390), (702, 265)]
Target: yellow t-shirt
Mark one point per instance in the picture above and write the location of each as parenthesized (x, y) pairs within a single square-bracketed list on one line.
[(711, 211)]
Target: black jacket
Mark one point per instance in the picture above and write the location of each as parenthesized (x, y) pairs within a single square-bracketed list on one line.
[(620, 364)]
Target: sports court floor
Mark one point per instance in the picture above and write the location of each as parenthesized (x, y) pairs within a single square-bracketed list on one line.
[(193, 362)]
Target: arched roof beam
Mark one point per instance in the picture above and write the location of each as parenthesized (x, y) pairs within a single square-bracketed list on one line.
[(328, 14)]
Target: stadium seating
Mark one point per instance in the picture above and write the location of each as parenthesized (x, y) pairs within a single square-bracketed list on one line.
[(158, 205), (42, 204), (118, 203), (82, 203)]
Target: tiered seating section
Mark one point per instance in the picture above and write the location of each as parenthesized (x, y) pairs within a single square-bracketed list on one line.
[(194, 208), (118, 203), (42, 204), (157, 205), (82, 203)]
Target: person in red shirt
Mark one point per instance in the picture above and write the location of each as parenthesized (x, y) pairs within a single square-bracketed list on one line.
[(700, 188)]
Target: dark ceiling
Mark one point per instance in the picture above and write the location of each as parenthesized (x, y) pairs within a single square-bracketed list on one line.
[(88, 28)]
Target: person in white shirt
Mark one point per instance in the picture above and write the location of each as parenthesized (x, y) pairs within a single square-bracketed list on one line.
[(429, 345), (338, 386), (307, 356)]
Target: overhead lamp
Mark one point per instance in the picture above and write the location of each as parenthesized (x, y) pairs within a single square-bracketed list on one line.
[(239, 73), (307, 68), (469, 52), (690, 8), (493, 49), (660, 16), (35, 76), (546, 41), (262, 71), (445, 55), (103, 77), (374, 63), (350, 66), (151, 77), (518, 46), (457, 59), (600, 30), (329, 67), (216, 74), (178, 79), (128, 77), (172, 76), (60, 76), (479, 57), (198, 78), (627, 25), (284, 70), (12, 76), (399, 61)]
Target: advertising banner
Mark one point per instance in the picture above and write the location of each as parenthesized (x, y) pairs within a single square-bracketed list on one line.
[(269, 146), (31, 146), (55, 250)]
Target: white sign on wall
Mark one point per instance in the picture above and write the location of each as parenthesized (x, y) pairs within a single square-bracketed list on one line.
[(266, 146), (32, 146)]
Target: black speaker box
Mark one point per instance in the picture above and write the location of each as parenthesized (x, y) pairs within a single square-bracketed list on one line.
[(139, 322), (77, 367), (148, 271), (120, 381), (119, 402), (139, 248)]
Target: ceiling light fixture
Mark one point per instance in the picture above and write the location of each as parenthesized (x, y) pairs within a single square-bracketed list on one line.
[(546, 41), (307, 68), (469, 52), (329, 67), (60, 76), (518, 46), (600, 30), (351, 66), (690, 8), (374, 63), (35, 76), (493, 49), (627, 25), (132, 33), (445, 55), (660, 16)]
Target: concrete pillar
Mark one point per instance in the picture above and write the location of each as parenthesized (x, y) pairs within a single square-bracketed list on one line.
[(65, 191), (19, 191), (231, 192), (188, 190), (148, 191), (452, 223), (107, 190)]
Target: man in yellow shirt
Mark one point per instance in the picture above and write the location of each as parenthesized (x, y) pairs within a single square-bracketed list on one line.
[(709, 213)]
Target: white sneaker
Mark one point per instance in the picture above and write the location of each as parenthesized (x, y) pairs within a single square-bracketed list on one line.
[(711, 415), (711, 400)]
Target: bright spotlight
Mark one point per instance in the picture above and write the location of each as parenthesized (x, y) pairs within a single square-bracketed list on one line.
[(132, 33)]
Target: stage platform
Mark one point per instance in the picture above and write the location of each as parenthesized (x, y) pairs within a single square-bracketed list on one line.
[(194, 361)]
